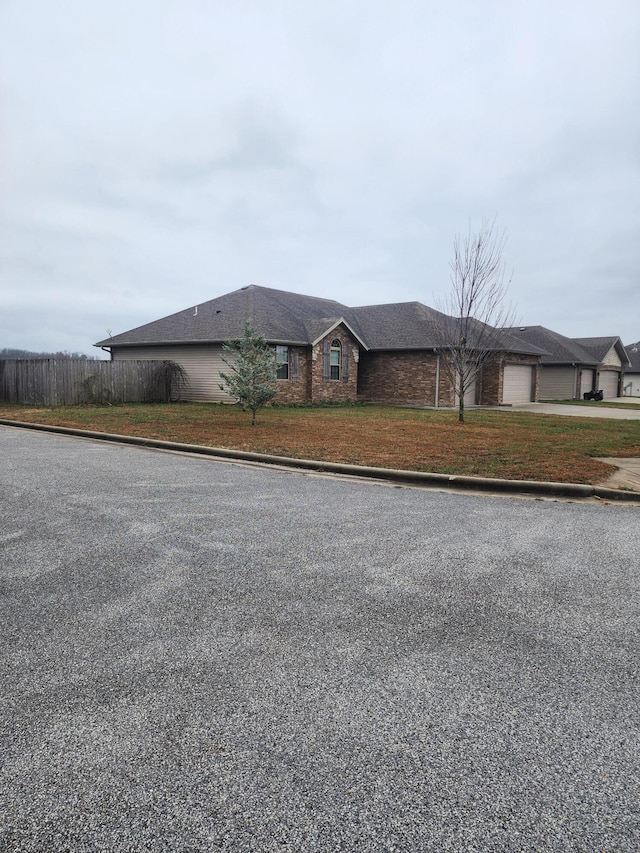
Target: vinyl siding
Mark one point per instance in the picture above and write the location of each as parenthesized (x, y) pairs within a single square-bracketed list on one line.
[(202, 364)]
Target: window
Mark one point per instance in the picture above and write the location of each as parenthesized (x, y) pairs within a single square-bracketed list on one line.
[(282, 362), (336, 358)]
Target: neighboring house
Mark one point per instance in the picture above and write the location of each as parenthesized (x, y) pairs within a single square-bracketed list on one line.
[(572, 367), (326, 351), (567, 370), (631, 382), (612, 360)]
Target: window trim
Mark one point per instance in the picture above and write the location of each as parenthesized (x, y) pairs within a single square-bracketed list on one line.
[(335, 370)]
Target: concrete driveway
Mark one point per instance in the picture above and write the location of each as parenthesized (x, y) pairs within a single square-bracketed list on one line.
[(205, 656), (615, 409)]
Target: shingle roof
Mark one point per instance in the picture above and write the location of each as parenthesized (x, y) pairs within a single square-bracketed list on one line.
[(599, 347), (293, 318), (633, 354), (558, 348), (279, 316)]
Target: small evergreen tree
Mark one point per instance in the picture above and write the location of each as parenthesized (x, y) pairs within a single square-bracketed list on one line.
[(251, 379)]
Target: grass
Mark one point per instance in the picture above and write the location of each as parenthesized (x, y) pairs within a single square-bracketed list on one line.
[(491, 443)]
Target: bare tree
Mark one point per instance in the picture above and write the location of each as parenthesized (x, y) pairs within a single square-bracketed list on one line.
[(468, 326)]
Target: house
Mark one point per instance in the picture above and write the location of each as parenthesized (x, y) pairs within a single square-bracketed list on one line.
[(326, 351), (567, 370), (572, 367), (631, 382), (612, 360)]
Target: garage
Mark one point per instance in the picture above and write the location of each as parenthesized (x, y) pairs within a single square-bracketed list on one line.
[(586, 380), (517, 384), (608, 383), (557, 383)]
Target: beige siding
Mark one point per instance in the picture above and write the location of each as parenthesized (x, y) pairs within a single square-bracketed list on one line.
[(202, 364), (557, 383)]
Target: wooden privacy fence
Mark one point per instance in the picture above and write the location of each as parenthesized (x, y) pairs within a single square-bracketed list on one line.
[(69, 382)]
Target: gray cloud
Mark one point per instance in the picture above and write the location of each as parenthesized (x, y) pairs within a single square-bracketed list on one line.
[(155, 156)]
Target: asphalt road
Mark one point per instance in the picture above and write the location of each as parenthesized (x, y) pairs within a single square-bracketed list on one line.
[(205, 656)]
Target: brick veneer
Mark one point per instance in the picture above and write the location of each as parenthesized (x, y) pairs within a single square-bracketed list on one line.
[(398, 377), (410, 377), (295, 391), (334, 390), (388, 377), (311, 386)]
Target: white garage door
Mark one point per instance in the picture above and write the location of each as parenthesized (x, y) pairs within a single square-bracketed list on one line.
[(517, 384), (608, 383), (586, 380)]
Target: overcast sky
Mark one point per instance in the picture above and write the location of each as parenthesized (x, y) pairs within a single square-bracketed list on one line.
[(155, 154)]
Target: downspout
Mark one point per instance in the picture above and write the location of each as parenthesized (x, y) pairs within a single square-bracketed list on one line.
[(437, 394)]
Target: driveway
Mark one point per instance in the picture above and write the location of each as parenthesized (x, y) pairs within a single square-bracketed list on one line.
[(606, 409), (201, 656)]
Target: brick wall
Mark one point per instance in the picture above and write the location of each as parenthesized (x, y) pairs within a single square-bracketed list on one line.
[(334, 390), (490, 384), (387, 377), (292, 391), (400, 377), (410, 378), (311, 386)]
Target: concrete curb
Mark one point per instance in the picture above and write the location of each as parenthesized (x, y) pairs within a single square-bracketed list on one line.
[(415, 478)]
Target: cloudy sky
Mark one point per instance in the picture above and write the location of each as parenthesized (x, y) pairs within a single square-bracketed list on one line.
[(155, 154)]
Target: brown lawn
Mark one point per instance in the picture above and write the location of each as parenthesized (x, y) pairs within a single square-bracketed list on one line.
[(495, 443)]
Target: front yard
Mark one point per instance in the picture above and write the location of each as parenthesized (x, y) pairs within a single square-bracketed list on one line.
[(514, 445)]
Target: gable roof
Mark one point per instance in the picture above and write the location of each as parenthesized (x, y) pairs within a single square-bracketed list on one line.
[(633, 354), (599, 347), (295, 319), (558, 349)]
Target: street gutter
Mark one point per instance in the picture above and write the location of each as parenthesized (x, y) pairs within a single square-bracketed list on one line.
[(415, 478)]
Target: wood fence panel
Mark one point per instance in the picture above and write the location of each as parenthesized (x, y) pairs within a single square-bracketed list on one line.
[(72, 382)]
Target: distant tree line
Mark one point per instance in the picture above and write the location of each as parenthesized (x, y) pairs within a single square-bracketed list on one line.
[(8, 352)]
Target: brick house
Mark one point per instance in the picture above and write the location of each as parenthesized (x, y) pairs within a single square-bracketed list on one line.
[(328, 352), (571, 367)]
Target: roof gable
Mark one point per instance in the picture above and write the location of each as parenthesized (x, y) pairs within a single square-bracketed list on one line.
[(601, 347), (319, 329)]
